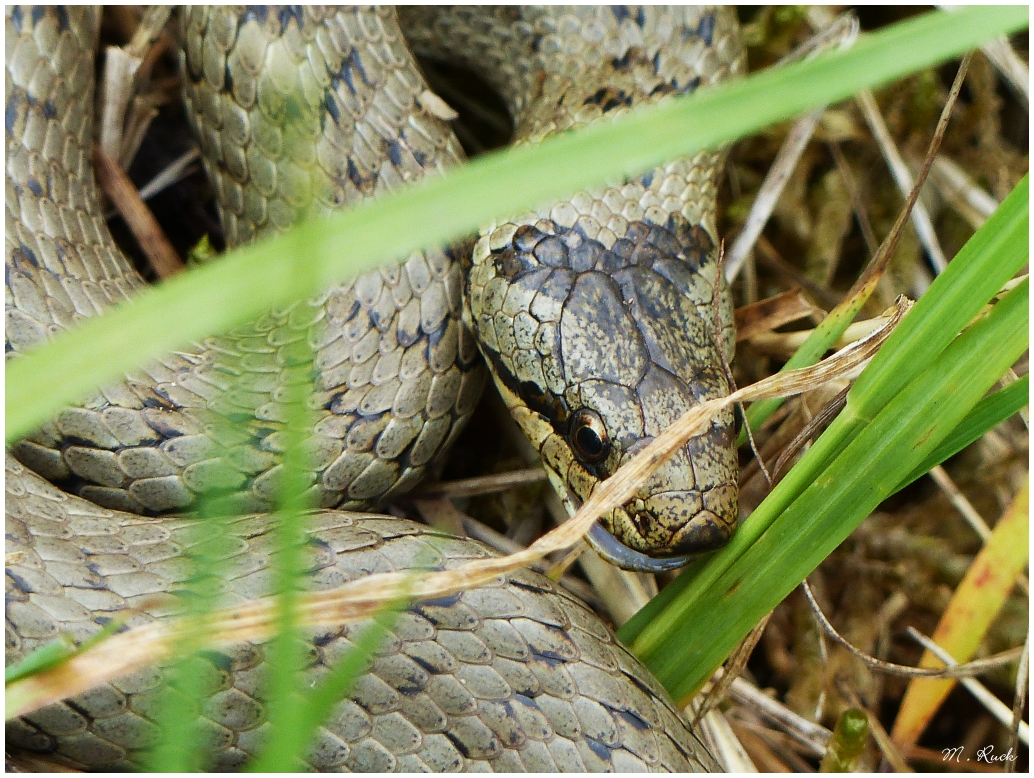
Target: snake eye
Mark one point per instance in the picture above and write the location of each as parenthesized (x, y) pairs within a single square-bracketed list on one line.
[(589, 437)]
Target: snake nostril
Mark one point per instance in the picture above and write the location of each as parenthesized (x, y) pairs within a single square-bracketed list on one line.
[(641, 522)]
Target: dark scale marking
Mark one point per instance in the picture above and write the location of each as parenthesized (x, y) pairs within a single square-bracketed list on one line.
[(705, 28), (357, 64), (620, 12), (599, 749), (407, 339), (583, 257), (344, 74), (640, 16), (642, 686), (616, 100), (62, 19), (458, 743), (332, 108), (257, 12), (635, 720), (446, 601), (622, 62), (353, 176), (163, 429), (49, 109), (97, 584), (424, 664), (420, 157), (548, 661), (325, 638), (289, 12), (647, 180), (80, 710), (354, 310), (334, 399), (19, 582), (34, 187), (546, 404), (539, 400), (37, 14), (11, 114), (29, 255), (227, 79), (410, 684), (17, 18), (661, 89), (394, 152), (377, 321), (434, 337)]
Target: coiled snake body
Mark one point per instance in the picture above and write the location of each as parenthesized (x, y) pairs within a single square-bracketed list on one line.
[(595, 315)]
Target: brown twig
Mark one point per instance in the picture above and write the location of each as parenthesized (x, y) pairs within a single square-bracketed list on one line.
[(956, 671), (138, 216), (485, 484)]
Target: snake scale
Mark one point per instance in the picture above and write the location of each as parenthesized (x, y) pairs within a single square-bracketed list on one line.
[(594, 316)]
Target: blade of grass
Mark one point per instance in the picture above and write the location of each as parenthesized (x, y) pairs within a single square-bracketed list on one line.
[(180, 745), (177, 747), (286, 652), (973, 606), (684, 638), (228, 293), (52, 654), (284, 752), (985, 416)]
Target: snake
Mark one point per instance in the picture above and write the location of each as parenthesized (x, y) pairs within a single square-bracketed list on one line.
[(600, 318)]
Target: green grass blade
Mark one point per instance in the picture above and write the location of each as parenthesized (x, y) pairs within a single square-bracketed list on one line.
[(45, 657), (286, 652), (951, 302), (254, 279), (50, 655), (179, 746), (686, 640), (286, 751), (986, 415)]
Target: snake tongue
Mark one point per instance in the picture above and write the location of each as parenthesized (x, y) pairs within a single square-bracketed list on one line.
[(617, 553), (610, 548)]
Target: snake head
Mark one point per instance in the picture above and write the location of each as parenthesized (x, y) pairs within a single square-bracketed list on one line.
[(597, 349)]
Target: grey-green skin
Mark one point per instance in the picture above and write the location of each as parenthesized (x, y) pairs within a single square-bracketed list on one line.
[(399, 372), (515, 675)]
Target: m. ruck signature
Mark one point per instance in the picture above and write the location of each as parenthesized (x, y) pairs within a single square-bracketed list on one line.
[(985, 754)]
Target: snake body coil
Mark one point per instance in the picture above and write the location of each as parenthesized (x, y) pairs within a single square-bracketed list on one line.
[(311, 110)]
